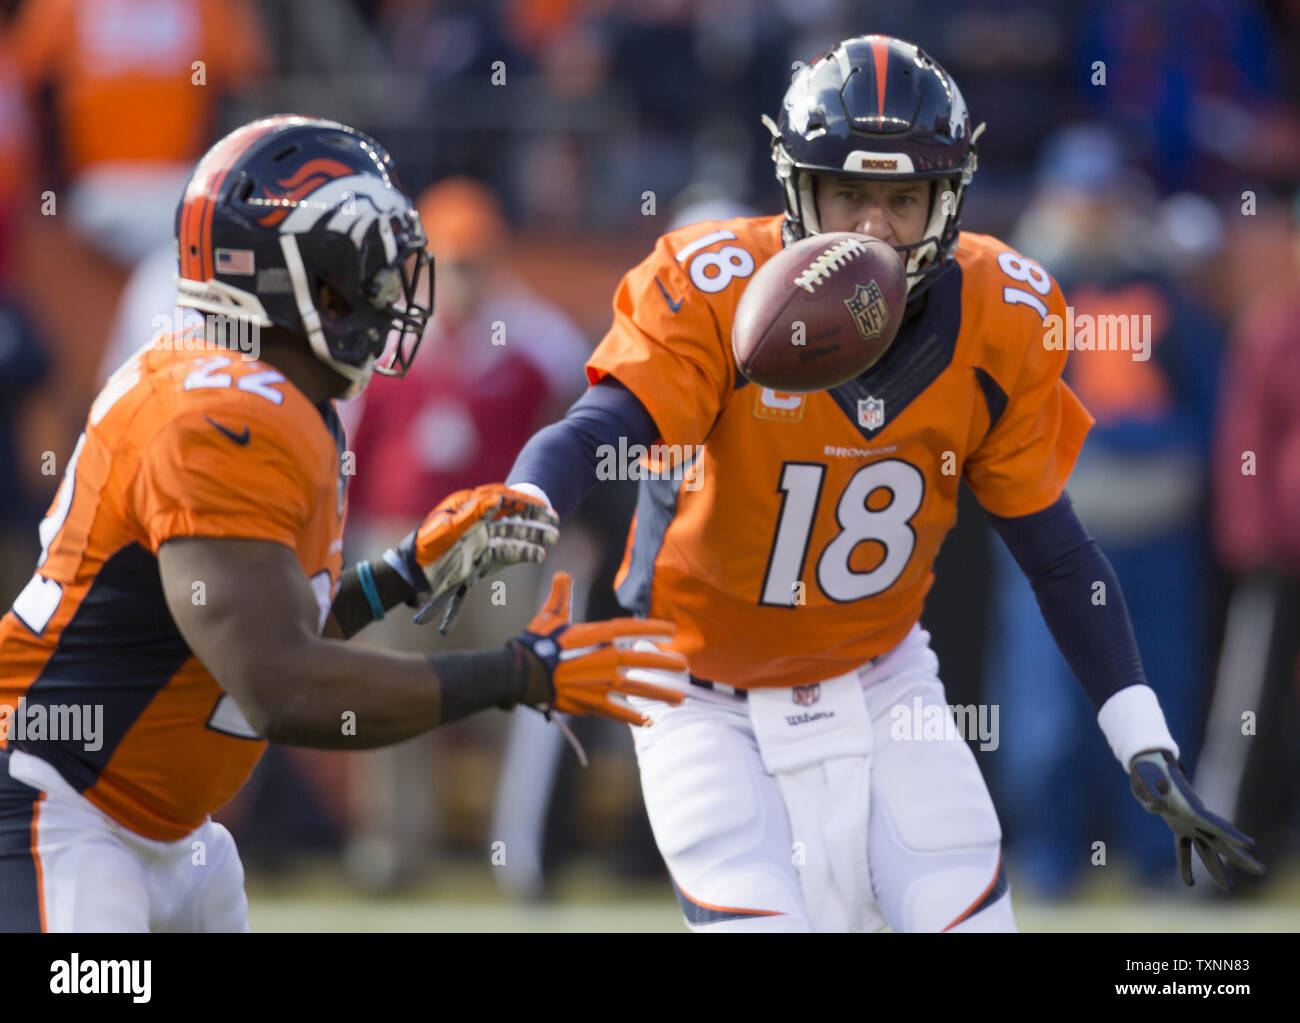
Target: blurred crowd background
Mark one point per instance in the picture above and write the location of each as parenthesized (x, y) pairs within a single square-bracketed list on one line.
[(1147, 153)]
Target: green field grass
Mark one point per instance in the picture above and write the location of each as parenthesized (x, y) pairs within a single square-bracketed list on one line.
[(464, 899)]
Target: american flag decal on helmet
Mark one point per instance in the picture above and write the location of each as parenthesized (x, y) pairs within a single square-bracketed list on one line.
[(235, 261)]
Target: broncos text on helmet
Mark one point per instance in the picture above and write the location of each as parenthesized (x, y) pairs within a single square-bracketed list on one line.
[(882, 109)]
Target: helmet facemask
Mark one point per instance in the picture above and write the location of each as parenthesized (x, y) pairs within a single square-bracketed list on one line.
[(922, 259), (397, 294), (378, 326)]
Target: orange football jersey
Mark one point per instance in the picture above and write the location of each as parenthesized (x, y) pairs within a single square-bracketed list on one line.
[(800, 543), (198, 443), (126, 78)]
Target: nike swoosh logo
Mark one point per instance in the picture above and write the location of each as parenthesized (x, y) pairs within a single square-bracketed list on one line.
[(674, 306), (239, 438)]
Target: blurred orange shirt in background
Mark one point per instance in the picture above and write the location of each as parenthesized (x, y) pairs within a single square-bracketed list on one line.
[(125, 76)]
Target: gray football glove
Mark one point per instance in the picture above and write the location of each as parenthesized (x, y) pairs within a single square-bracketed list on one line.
[(471, 534), (489, 546), (1161, 786)]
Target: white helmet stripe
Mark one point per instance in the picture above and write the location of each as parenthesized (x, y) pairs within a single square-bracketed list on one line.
[(347, 194)]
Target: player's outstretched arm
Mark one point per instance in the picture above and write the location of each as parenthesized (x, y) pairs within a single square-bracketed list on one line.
[(468, 536), (561, 461), (471, 534), (474, 533), (1064, 566), (257, 633)]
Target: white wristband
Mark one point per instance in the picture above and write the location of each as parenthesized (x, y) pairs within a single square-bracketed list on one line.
[(1132, 721), (532, 490)]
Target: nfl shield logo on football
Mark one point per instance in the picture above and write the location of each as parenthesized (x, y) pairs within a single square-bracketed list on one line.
[(871, 413), (806, 696), (868, 309)]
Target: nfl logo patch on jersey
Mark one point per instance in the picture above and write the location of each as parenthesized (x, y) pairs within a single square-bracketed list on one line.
[(871, 413), (806, 696)]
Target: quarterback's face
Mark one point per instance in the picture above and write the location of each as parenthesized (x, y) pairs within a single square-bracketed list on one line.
[(893, 211)]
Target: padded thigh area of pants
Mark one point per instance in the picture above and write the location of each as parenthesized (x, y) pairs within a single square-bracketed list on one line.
[(932, 787), (701, 791), (719, 821)]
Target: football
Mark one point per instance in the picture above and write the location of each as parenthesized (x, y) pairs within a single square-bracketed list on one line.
[(819, 312)]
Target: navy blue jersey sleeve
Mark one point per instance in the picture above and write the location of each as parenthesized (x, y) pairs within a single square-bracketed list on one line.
[(561, 459), (1089, 622)]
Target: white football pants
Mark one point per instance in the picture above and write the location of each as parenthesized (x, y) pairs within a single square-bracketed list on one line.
[(77, 870), (933, 842)]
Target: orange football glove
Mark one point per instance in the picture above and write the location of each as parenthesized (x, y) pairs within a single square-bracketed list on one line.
[(588, 663), (469, 535)]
